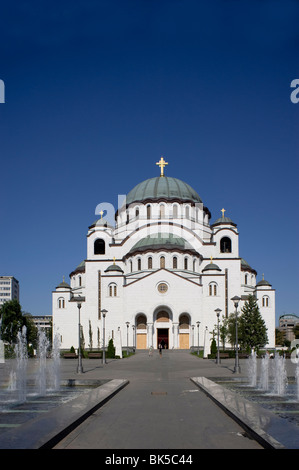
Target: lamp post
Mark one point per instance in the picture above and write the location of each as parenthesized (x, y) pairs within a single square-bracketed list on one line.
[(218, 310), (128, 324), (133, 327), (79, 368), (104, 355), (193, 340), (236, 301), (198, 323)]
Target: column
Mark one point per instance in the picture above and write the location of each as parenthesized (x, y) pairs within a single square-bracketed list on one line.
[(175, 335), (149, 335)]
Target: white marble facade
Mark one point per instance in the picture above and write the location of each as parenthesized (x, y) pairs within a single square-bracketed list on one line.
[(160, 272)]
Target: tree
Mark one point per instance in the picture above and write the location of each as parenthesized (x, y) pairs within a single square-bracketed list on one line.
[(253, 331), (223, 331), (111, 349), (90, 336), (231, 329), (12, 320)]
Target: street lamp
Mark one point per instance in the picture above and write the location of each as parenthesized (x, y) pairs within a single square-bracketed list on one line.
[(236, 301), (127, 323), (79, 368), (133, 326), (103, 355), (198, 323), (218, 310), (193, 340)]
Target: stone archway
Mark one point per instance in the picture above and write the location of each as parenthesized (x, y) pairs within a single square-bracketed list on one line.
[(163, 327), (184, 331), (141, 331)]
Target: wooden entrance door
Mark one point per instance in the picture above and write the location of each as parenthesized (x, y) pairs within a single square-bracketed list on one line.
[(141, 341), (184, 340)]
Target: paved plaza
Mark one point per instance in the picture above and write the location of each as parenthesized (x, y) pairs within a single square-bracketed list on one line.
[(159, 407)]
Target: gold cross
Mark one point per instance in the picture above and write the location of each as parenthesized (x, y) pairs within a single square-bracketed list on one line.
[(211, 258), (114, 260), (223, 210), (162, 163), (101, 214)]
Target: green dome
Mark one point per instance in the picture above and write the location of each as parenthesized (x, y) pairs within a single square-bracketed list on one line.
[(161, 241), (224, 220), (211, 267), (113, 267), (162, 187)]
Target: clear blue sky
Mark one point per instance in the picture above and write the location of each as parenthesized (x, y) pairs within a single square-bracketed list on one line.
[(97, 91)]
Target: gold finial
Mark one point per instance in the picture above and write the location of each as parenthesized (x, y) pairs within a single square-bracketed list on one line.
[(223, 210), (263, 277), (114, 260), (101, 214), (162, 163), (63, 278), (211, 258)]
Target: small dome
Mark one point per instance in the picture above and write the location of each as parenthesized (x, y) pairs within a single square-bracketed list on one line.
[(263, 282), (113, 267), (224, 220), (162, 187), (100, 223), (211, 267), (63, 285)]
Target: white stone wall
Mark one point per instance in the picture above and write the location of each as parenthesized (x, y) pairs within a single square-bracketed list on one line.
[(137, 293)]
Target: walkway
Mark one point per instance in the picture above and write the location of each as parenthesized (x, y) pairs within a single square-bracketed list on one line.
[(160, 408)]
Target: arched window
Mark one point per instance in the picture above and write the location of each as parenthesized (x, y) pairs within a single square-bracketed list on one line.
[(148, 211), (194, 265), (150, 263), (175, 211), (184, 322), (246, 278), (61, 303), (162, 211), (137, 212), (112, 290), (225, 245), (131, 266), (99, 246), (187, 212), (174, 262), (139, 264), (162, 262), (212, 289), (185, 263), (80, 281), (265, 301), (162, 316), (141, 322)]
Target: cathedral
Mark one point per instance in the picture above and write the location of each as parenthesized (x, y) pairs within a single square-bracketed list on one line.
[(159, 273)]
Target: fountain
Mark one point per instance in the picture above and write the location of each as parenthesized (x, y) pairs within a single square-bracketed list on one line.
[(280, 375), (264, 378), (55, 369), (43, 346), (20, 376), (252, 369)]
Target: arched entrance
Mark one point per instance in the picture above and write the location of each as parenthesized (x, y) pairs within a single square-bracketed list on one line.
[(141, 332), (162, 328), (184, 331)]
